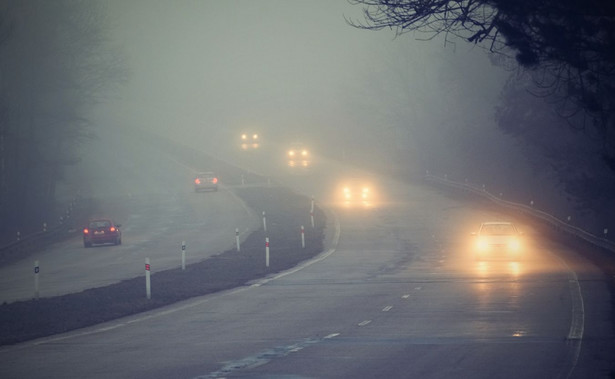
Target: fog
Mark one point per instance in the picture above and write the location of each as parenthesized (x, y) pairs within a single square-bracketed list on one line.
[(201, 72)]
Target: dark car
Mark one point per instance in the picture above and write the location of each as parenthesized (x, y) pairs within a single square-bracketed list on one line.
[(102, 231), (206, 181)]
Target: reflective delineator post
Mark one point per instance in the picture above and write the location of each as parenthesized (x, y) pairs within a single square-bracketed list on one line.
[(312, 212), (264, 222), (183, 255), (44, 226), (36, 271), (243, 180), (148, 285), (267, 251), (302, 237), (237, 238)]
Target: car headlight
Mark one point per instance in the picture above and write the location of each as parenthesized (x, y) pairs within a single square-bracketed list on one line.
[(514, 244), (481, 244)]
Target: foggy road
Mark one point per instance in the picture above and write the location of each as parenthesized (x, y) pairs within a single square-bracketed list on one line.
[(398, 296), (152, 196)]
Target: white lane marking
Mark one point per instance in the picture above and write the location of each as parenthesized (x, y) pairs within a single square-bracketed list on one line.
[(405, 296), (365, 322), (577, 322), (263, 357), (387, 308), (332, 335)]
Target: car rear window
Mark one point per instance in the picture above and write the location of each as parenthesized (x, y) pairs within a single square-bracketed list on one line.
[(99, 224)]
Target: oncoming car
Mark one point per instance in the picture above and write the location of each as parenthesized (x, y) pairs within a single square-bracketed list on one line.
[(298, 156), (205, 181), (497, 239), (250, 141), (101, 231), (356, 191)]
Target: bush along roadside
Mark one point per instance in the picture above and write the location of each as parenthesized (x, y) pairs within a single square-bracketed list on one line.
[(286, 211)]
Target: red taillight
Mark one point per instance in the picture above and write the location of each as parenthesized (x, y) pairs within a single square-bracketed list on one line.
[(112, 229), (215, 180), (86, 231), (197, 181)]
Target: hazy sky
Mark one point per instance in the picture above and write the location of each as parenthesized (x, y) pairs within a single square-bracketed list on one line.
[(290, 67)]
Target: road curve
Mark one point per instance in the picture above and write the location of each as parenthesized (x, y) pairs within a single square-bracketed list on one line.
[(152, 196), (398, 296)]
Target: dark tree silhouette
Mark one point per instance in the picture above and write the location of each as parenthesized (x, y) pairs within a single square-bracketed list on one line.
[(54, 60), (569, 45)]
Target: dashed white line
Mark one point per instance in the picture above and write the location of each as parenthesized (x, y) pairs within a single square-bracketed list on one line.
[(365, 322), (387, 308)]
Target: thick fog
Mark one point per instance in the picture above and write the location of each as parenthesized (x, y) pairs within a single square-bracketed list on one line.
[(203, 71)]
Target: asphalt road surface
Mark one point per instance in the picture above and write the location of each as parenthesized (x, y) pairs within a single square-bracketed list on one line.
[(152, 196), (397, 294)]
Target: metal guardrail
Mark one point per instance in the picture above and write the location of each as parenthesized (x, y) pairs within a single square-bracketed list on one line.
[(30, 242), (554, 221)]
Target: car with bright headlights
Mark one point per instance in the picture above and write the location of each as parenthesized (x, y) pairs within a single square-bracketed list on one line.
[(497, 239), (298, 156), (356, 191), (250, 141)]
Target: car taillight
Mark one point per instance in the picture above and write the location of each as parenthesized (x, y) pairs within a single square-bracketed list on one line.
[(197, 181), (86, 231), (215, 180), (112, 229)]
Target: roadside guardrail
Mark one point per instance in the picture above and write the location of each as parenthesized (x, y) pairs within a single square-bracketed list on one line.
[(536, 213), (25, 244)]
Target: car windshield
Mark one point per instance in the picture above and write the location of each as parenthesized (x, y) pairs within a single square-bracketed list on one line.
[(99, 224), (497, 229)]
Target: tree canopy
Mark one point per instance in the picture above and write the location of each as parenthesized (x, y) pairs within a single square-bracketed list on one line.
[(568, 45)]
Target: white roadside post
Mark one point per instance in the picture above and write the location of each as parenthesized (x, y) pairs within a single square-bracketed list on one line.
[(237, 238), (264, 222), (243, 180), (36, 271), (267, 251), (606, 232), (183, 255), (302, 237), (312, 212), (148, 285), (44, 226)]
